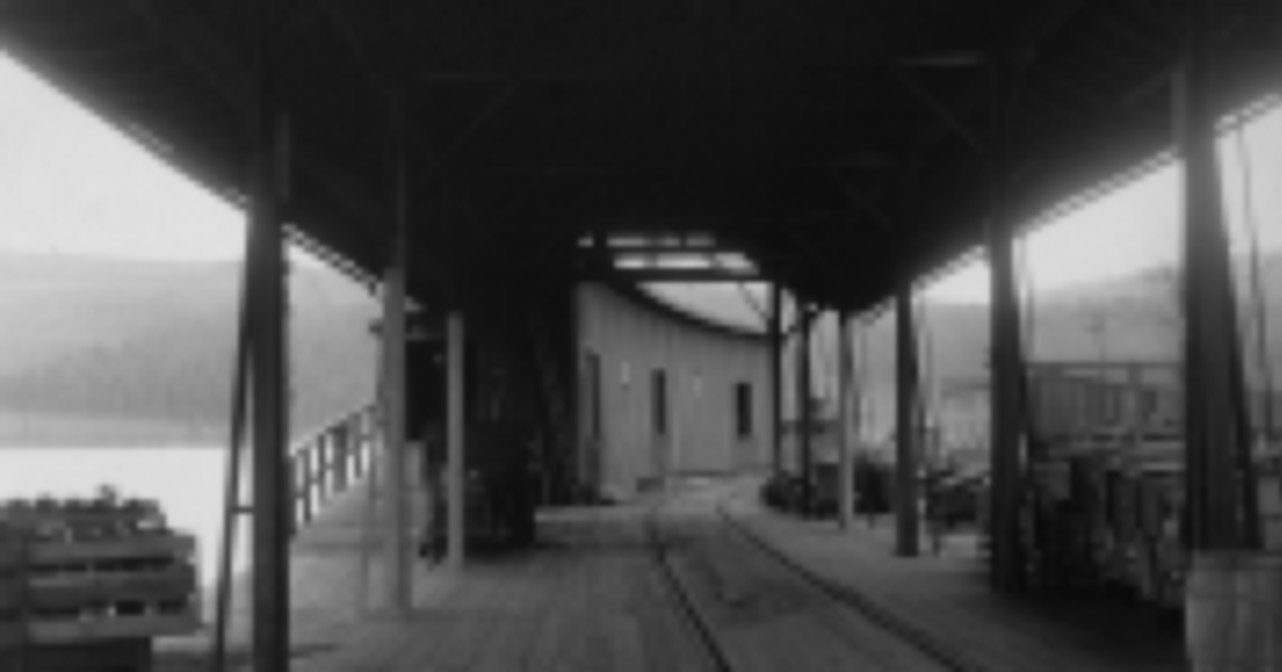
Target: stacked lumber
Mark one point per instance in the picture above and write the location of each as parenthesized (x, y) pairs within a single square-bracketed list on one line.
[(86, 584)]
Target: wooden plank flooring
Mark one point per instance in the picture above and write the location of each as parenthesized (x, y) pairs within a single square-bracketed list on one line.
[(764, 614), (590, 597), (949, 600), (586, 598)]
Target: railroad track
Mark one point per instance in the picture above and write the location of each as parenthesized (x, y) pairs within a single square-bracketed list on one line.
[(857, 635), (699, 625)]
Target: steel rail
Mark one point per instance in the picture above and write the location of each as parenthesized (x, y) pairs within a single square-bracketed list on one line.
[(698, 623), (900, 628)]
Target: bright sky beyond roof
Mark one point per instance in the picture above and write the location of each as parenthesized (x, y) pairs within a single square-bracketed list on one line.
[(71, 184), (1137, 227)]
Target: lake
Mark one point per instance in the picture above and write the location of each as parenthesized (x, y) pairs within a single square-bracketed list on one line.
[(188, 483)]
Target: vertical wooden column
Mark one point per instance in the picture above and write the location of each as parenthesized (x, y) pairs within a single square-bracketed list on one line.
[(776, 378), (906, 430), (1006, 414), (271, 473), (342, 457), (396, 504), (1220, 512), (393, 466), (456, 437), (805, 462), (845, 433), (1006, 359)]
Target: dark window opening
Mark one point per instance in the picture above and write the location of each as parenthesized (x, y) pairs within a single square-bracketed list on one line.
[(659, 388), (743, 409), (595, 415)]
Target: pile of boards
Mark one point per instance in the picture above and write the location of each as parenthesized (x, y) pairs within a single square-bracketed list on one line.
[(88, 584)]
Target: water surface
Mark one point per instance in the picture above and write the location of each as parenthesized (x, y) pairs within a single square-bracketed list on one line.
[(187, 481)]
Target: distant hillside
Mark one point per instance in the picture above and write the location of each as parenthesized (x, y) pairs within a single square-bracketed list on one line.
[(106, 343), (1131, 317), (143, 350), (54, 305)]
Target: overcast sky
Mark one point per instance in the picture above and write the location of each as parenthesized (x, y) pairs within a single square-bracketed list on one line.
[(69, 183), (1136, 227)]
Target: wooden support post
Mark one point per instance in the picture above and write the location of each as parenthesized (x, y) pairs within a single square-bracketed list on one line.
[(316, 471), (1006, 416), (398, 589), (329, 456), (805, 459), (776, 378), (1007, 425), (342, 458), (845, 433), (361, 435), (273, 509), (456, 438), (393, 476), (1221, 512), (906, 430), (1007, 422), (304, 482), (297, 485)]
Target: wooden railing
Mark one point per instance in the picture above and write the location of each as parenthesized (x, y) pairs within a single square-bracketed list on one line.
[(329, 462)]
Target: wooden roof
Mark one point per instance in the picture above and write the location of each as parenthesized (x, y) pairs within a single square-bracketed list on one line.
[(844, 145)]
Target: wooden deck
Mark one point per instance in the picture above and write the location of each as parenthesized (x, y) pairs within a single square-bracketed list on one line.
[(590, 597), (947, 600), (587, 598)]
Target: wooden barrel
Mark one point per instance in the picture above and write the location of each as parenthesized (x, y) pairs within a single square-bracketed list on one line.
[(1258, 619), (1210, 611)]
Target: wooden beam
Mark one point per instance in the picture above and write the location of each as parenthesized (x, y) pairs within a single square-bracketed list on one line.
[(860, 200), (804, 313), (613, 249), (753, 302), (1044, 24), (906, 429), (495, 104), (689, 275), (230, 78), (613, 74), (950, 117), (232, 497)]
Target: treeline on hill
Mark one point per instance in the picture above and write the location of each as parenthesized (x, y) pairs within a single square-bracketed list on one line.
[(183, 374), (178, 369), (1133, 317)]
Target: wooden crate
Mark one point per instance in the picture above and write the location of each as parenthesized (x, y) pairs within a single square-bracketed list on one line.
[(79, 599)]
